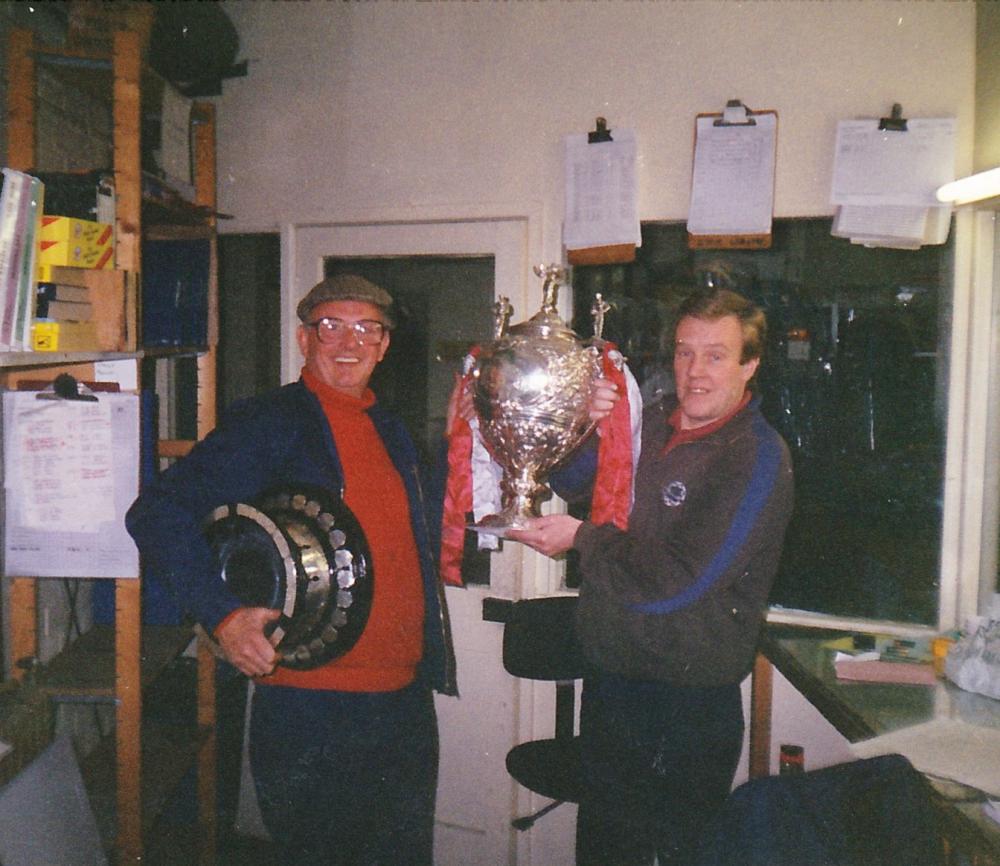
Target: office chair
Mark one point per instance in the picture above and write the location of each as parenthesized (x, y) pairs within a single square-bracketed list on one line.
[(539, 643)]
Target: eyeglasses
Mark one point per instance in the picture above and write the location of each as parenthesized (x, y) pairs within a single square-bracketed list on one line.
[(367, 331)]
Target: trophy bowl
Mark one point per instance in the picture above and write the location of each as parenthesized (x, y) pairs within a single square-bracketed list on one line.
[(531, 392)]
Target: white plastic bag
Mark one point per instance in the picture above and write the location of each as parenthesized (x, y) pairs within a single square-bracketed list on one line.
[(973, 663)]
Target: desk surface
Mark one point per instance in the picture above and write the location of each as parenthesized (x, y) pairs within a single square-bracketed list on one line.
[(860, 711)]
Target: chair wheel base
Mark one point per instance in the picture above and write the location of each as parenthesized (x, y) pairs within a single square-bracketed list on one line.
[(527, 821)]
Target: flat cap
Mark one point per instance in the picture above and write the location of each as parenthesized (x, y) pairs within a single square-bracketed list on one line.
[(346, 287)]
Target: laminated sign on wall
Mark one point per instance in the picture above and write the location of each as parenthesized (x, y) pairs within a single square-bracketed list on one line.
[(70, 472)]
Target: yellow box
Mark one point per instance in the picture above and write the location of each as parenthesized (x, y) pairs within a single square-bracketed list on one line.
[(63, 336), (76, 243)]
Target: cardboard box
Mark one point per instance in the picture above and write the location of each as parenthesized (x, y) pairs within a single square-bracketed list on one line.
[(49, 336), (113, 295), (76, 243)]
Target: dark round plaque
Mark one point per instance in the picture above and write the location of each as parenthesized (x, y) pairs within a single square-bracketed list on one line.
[(298, 549)]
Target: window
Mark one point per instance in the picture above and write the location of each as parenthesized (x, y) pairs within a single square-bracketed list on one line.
[(855, 378)]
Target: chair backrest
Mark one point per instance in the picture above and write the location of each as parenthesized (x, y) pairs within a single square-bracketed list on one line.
[(539, 639)]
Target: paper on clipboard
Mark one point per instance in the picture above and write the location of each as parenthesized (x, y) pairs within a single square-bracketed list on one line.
[(875, 166), (732, 185), (70, 472), (601, 192)]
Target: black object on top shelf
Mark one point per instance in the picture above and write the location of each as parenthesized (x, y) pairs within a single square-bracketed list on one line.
[(75, 194), (194, 45)]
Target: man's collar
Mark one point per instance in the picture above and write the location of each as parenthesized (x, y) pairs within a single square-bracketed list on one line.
[(692, 434)]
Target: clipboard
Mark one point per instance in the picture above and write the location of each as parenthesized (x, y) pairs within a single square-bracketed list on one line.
[(732, 178), (70, 464), (616, 196)]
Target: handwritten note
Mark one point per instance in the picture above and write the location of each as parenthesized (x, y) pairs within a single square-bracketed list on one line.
[(70, 471), (62, 454)]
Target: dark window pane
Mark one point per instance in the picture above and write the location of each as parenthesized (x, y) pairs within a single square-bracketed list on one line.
[(855, 379), (444, 306)]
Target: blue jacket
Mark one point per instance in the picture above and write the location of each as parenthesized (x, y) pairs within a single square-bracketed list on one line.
[(278, 438)]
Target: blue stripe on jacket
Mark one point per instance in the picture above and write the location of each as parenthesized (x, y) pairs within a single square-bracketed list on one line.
[(762, 480)]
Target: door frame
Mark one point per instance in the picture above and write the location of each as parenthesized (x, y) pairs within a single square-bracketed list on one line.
[(498, 711)]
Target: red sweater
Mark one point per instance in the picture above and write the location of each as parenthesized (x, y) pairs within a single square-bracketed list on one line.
[(386, 656)]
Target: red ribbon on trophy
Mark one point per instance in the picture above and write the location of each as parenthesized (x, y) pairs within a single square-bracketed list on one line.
[(611, 500), (458, 490)]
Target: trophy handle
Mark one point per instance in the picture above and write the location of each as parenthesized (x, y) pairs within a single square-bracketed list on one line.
[(502, 311), (598, 310)]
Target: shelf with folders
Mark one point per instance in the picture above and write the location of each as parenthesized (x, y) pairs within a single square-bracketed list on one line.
[(117, 662)]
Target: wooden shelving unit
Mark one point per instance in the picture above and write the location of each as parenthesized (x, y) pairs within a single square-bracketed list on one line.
[(117, 663)]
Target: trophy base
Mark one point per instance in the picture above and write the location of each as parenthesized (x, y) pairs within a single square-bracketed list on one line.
[(498, 531), (499, 524)]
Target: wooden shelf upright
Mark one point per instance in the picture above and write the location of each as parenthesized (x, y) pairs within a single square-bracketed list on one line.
[(89, 666)]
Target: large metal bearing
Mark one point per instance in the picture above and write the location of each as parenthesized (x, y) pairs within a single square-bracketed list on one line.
[(298, 549)]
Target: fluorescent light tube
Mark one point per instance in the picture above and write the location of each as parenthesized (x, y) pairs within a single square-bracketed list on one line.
[(975, 187)]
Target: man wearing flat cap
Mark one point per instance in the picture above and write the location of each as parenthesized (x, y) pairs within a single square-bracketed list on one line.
[(344, 755)]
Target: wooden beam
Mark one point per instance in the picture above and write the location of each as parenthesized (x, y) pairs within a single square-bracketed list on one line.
[(128, 718), (203, 118), (761, 691), (23, 618), (206, 392), (128, 176), (20, 100), (174, 448)]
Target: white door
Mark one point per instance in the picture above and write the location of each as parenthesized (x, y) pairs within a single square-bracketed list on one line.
[(476, 797)]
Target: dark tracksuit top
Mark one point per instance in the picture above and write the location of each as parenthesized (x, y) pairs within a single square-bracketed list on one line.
[(681, 595)]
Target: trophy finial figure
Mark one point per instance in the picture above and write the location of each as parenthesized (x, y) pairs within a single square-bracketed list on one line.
[(502, 311), (598, 311), (553, 276)]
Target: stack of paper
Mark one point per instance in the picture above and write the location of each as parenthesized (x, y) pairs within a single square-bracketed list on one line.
[(948, 748), (20, 219), (884, 182)]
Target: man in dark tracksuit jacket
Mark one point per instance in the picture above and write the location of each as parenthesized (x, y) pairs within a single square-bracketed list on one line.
[(670, 609), (344, 755)]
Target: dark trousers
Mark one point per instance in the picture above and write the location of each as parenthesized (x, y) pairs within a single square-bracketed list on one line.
[(658, 762), (346, 779)]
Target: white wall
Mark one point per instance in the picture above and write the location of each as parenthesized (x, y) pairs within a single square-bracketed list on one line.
[(360, 107)]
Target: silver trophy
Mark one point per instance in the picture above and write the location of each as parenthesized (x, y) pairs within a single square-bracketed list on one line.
[(531, 391)]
